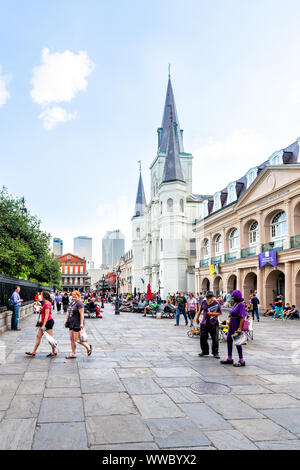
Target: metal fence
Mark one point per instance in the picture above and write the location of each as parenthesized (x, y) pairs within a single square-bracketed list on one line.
[(27, 292)]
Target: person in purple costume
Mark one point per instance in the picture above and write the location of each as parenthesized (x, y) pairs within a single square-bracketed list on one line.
[(237, 318)]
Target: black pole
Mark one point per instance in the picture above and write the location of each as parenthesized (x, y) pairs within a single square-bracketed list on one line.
[(117, 312), (102, 299)]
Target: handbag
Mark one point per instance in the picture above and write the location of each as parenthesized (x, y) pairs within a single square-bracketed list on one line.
[(239, 338), (39, 323)]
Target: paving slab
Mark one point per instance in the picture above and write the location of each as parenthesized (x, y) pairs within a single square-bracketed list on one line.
[(205, 417), (180, 432), (273, 400), (65, 381), (64, 410), (143, 386), (31, 387), (5, 400), (278, 445), (157, 406), (230, 407), (24, 406), (182, 395), (62, 392), (117, 429), (105, 385), (17, 434), (108, 404), (230, 440), (63, 436), (249, 389), (177, 381), (9, 383), (289, 418), (261, 430), (135, 446), (281, 378), (175, 372), (135, 372)]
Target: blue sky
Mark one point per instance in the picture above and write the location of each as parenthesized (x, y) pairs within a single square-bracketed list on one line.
[(236, 78)]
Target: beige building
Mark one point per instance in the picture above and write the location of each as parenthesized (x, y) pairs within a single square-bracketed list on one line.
[(256, 214), (125, 265)]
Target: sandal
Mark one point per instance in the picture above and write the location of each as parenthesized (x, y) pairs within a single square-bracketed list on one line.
[(30, 354), (71, 357), (52, 355), (90, 351), (240, 364)]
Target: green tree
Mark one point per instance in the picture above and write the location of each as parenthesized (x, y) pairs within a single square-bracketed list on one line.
[(24, 247)]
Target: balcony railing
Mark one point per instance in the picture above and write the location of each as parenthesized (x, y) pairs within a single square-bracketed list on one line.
[(276, 245), (247, 252), (216, 260), (295, 241), (230, 257), (204, 263)]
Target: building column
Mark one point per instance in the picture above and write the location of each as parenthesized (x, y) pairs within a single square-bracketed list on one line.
[(288, 282), (239, 279), (288, 224), (260, 288)]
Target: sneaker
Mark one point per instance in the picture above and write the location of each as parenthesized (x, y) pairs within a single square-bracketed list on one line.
[(216, 356), (176, 324), (202, 354)]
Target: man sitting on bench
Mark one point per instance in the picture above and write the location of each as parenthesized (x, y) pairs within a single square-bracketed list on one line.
[(150, 308)]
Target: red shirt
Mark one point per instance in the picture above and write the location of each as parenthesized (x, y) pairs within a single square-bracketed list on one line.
[(47, 305)]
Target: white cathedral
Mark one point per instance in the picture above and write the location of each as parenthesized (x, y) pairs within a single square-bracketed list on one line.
[(163, 241)]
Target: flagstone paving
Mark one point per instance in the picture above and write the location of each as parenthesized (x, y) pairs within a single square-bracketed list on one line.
[(137, 390)]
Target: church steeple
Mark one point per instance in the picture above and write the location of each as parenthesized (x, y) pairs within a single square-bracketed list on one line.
[(140, 202), (172, 168), (163, 131)]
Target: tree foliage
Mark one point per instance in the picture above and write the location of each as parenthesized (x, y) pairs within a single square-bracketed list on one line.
[(24, 247)]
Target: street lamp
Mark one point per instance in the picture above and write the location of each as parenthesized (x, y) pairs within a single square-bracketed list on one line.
[(117, 312), (102, 298)]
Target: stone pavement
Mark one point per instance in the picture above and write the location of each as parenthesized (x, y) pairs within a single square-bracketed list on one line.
[(138, 390)]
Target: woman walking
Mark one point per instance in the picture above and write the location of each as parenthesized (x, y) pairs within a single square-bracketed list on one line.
[(191, 307), (47, 324), (237, 317), (75, 323)]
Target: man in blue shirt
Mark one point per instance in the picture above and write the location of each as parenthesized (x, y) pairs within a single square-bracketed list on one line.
[(16, 300)]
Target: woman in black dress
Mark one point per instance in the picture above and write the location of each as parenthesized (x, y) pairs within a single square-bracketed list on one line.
[(75, 323)]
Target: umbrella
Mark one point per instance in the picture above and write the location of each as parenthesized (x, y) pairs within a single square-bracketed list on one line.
[(149, 293)]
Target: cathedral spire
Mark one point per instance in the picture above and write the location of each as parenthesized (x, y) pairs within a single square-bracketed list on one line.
[(163, 131), (172, 168), (140, 202)]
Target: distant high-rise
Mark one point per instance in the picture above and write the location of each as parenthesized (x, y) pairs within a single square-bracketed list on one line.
[(83, 248), (113, 247), (58, 246)]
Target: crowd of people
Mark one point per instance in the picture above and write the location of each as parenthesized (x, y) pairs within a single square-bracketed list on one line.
[(191, 307)]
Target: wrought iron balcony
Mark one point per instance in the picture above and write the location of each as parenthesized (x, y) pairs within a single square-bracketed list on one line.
[(276, 245), (216, 260), (295, 241), (247, 252), (230, 257), (204, 263)]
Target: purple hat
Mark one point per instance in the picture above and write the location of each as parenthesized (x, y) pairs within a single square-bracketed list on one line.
[(238, 295)]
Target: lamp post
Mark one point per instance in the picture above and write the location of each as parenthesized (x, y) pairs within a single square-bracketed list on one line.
[(117, 312), (102, 298)]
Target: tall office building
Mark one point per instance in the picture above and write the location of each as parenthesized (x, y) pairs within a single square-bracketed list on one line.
[(113, 247), (58, 246), (83, 249)]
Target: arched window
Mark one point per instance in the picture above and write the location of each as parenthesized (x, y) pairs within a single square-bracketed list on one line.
[(206, 248), (276, 158), (218, 244), (251, 175), (170, 205), (253, 233), (138, 233), (181, 205), (278, 226), (234, 240), (205, 208)]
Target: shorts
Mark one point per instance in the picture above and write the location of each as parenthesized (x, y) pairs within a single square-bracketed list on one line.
[(192, 314), (74, 328), (49, 324)]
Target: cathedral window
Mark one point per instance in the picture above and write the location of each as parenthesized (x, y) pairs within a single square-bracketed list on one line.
[(170, 205), (234, 240), (181, 204), (278, 226), (138, 233), (253, 233)]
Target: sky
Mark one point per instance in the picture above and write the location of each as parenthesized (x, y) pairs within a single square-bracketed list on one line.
[(82, 90)]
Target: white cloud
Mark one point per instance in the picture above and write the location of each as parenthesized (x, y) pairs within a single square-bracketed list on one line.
[(54, 115), (225, 160), (4, 93), (295, 92), (59, 78)]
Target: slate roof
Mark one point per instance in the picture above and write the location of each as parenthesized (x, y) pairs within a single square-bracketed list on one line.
[(140, 202), (163, 131)]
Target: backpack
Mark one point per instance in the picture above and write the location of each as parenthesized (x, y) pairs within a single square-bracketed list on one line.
[(10, 304)]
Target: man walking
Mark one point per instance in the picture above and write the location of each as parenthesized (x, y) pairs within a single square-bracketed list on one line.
[(211, 310), (254, 301), (181, 308), (16, 301)]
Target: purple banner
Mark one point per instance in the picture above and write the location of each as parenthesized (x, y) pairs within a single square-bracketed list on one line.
[(267, 257)]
